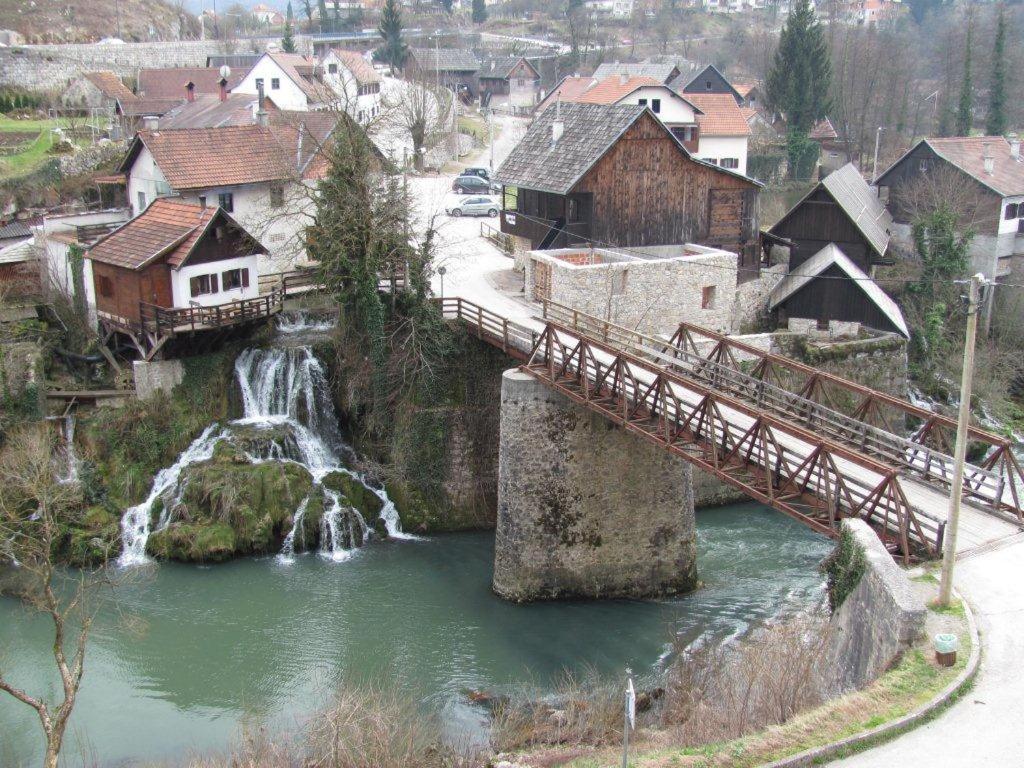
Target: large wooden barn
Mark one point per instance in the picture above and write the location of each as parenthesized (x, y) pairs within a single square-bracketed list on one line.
[(615, 175), (177, 267)]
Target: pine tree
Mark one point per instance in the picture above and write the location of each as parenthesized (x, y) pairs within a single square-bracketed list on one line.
[(288, 41), (479, 11), (995, 121), (964, 107), (393, 50), (800, 77)]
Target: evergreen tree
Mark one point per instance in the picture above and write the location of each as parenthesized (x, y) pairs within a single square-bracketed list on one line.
[(288, 41), (393, 50), (995, 122), (321, 8), (964, 107), (479, 11), (800, 77)]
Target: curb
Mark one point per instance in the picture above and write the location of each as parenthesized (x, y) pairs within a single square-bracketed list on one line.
[(890, 730)]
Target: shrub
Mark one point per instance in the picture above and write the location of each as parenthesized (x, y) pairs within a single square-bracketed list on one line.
[(844, 568)]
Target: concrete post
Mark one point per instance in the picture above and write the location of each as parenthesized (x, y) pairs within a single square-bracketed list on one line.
[(586, 509)]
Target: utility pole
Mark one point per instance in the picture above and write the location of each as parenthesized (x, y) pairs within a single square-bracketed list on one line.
[(962, 426), (874, 165)]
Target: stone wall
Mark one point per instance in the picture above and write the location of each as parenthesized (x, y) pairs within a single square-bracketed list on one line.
[(586, 509), (52, 67), (879, 619), (750, 308), (157, 376), (86, 159)]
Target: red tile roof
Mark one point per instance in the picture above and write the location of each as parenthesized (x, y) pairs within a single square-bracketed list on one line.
[(968, 154), (170, 83), (612, 89), (167, 229), (109, 84), (722, 116), (300, 71), (361, 69), (570, 89), (823, 130)]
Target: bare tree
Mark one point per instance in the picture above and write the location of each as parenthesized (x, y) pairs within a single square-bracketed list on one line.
[(420, 111), (34, 508)]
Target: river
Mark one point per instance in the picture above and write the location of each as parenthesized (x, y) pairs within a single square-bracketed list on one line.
[(182, 657)]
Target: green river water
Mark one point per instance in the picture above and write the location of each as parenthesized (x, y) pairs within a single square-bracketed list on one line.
[(182, 657)]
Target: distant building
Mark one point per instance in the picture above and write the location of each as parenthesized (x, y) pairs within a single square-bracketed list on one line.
[(214, 112), (175, 83), (96, 90), (355, 83), (512, 81), (709, 81), (723, 130), (293, 82), (662, 72), (264, 14), (454, 68)]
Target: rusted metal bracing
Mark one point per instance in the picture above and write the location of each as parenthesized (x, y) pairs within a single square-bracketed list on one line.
[(772, 460)]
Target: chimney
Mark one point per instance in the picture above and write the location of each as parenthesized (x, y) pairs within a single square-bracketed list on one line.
[(557, 126), (623, 78), (990, 162), (261, 113), (190, 91), (1014, 146), (151, 122), (223, 89)]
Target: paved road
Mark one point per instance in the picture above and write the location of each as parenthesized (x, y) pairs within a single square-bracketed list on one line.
[(984, 728)]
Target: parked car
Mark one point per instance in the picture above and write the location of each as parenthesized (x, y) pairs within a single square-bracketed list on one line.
[(471, 185), (474, 206), (483, 173)]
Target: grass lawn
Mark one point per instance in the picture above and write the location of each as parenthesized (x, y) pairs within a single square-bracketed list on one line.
[(36, 153)]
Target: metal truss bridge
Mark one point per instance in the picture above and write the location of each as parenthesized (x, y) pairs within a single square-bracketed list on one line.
[(810, 444)]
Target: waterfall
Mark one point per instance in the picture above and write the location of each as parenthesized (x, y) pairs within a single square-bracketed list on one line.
[(301, 322), (68, 474), (280, 386)]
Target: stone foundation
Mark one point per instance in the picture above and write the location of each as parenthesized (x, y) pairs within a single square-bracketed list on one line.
[(157, 376), (586, 509)]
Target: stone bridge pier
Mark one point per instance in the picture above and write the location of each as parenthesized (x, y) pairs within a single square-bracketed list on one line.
[(585, 508)]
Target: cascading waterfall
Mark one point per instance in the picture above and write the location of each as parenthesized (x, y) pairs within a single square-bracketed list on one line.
[(279, 386), (68, 474)]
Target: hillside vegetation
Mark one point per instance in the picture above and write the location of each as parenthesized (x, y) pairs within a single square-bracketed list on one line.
[(83, 21)]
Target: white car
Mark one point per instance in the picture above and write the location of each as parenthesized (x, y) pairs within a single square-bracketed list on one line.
[(474, 206)]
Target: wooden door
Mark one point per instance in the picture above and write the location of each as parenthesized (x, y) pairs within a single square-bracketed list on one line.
[(541, 281)]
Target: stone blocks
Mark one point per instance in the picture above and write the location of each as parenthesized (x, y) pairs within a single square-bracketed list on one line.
[(157, 375), (586, 509)]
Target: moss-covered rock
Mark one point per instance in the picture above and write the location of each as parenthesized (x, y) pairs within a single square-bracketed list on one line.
[(357, 494), (205, 542), (94, 539)]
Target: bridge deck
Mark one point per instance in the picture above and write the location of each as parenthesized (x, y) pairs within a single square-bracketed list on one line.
[(775, 457)]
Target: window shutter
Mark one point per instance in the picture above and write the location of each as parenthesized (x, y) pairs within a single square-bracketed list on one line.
[(245, 277), (213, 284)]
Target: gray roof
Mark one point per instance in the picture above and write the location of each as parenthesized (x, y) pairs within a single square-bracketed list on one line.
[(241, 60), (499, 68), (14, 229), (19, 252), (661, 72), (861, 204), (208, 111), (828, 256), (589, 131), (446, 59)]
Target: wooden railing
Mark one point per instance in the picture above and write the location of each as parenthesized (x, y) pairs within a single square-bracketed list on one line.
[(503, 241), (166, 322), (514, 339)]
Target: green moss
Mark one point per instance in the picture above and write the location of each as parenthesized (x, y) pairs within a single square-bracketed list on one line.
[(844, 568), (93, 539), (357, 494), (194, 542)]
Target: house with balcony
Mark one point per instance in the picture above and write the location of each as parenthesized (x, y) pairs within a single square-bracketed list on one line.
[(616, 176), (262, 174), (177, 269), (992, 168)]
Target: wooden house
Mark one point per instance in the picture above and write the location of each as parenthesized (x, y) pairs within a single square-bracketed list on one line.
[(615, 175), (176, 268), (841, 209), (454, 68), (710, 80)]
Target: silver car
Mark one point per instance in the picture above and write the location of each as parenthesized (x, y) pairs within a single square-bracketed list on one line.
[(474, 206)]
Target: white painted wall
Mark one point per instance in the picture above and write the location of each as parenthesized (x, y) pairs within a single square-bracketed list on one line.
[(717, 147), (287, 96), (363, 107), (182, 295), (146, 177), (1009, 225), (674, 111)]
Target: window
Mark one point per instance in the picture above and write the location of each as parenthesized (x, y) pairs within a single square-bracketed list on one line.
[(234, 279), (259, 83), (332, 69), (656, 105), (1012, 211), (922, 166), (202, 284), (202, 201), (712, 160), (276, 197), (511, 199), (642, 102), (226, 200), (730, 162), (573, 212), (707, 297), (275, 83), (707, 85), (142, 202), (105, 286)]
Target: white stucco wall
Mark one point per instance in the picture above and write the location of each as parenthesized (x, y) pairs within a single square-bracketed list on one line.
[(1009, 225), (674, 110), (361, 107), (288, 96), (182, 294), (145, 176), (717, 147)]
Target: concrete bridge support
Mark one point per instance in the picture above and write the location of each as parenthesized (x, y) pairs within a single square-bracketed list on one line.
[(586, 509)]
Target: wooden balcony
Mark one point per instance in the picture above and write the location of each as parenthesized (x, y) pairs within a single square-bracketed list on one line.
[(164, 321)]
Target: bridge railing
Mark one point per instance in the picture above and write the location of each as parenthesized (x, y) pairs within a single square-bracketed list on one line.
[(802, 473), (514, 339), (981, 483)]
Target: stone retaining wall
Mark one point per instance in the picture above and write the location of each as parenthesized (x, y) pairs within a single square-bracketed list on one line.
[(879, 619)]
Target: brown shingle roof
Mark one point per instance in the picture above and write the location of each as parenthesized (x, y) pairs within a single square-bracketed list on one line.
[(170, 83), (109, 84), (361, 69), (722, 116), (167, 228), (569, 89), (299, 70), (612, 89)]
